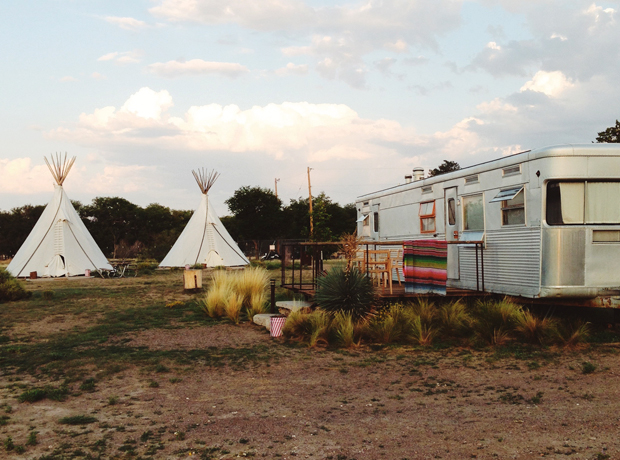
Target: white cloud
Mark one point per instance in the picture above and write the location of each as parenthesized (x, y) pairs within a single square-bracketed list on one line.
[(339, 35), (550, 83), (122, 179), (493, 46), (559, 36), (98, 76), (147, 104), (19, 176), (125, 57), (172, 69), (126, 23), (68, 78), (292, 69)]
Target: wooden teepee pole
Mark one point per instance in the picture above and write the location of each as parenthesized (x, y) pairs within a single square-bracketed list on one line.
[(59, 167), (205, 179)]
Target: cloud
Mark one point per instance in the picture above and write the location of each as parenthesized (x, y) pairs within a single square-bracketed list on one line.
[(126, 23), (292, 69), (550, 83), (19, 176), (338, 37), (148, 104), (68, 78), (173, 69), (125, 57), (97, 76)]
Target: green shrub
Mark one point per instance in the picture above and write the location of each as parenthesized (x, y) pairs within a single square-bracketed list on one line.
[(495, 322), (10, 288), (346, 291), (37, 394)]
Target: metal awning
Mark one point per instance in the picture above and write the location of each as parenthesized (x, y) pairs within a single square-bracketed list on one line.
[(362, 218), (507, 194)]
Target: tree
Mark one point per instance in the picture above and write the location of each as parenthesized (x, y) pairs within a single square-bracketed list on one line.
[(257, 213), (445, 167), (610, 135)]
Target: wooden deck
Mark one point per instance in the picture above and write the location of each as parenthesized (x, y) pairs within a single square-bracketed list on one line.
[(398, 292)]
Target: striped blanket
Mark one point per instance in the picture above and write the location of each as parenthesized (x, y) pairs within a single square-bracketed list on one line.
[(425, 266)]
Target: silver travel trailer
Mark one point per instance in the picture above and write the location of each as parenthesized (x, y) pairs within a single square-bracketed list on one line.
[(549, 220)]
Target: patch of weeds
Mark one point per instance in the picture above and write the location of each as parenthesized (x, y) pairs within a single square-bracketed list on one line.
[(146, 436), (153, 384), (88, 385), (112, 400), (32, 438), (533, 365), (8, 444), (243, 441), (536, 399), (4, 419), (37, 394), (179, 435), (511, 398), (19, 449), (175, 380), (47, 294), (160, 368), (77, 420), (587, 367)]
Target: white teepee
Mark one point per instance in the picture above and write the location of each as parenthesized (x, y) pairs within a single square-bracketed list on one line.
[(205, 240), (59, 244)]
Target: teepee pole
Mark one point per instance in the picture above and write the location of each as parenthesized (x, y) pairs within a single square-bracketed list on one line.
[(205, 179), (59, 167)]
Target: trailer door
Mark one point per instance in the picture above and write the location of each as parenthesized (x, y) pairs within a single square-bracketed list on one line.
[(452, 231)]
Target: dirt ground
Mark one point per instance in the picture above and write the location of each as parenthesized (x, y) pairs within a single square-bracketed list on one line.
[(267, 398)]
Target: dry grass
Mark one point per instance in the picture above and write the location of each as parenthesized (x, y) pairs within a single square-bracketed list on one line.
[(574, 333), (454, 318), (534, 329), (423, 333), (343, 330), (233, 307)]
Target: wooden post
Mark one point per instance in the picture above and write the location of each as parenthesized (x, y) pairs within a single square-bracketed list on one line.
[(310, 202)]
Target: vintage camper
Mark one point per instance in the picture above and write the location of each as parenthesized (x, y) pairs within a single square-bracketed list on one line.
[(549, 220)]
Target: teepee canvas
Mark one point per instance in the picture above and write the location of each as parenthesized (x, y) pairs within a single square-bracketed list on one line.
[(204, 240), (59, 244)]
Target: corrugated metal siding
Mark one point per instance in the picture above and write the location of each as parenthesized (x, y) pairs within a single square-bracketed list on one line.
[(511, 262)]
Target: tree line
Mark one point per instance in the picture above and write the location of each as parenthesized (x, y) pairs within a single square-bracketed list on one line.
[(117, 224)]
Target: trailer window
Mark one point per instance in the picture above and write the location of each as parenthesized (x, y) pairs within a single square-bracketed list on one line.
[(451, 211), (473, 212), (375, 218), (427, 217), (592, 202), (513, 210)]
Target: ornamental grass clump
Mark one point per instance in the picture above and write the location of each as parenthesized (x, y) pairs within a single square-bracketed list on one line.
[(572, 333), (214, 302), (233, 307), (536, 330), (251, 282), (454, 319), (495, 322), (343, 331), (392, 324), (346, 291), (257, 305)]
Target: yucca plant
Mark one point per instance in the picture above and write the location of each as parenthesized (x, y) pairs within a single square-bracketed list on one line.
[(346, 291), (534, 329)]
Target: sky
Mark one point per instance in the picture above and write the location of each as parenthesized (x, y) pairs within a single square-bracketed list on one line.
[(142, 92)]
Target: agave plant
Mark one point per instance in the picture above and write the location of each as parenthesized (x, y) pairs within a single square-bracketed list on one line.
[(346, 291)]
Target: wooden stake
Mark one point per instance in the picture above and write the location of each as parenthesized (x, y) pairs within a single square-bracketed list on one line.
[(310, 202)]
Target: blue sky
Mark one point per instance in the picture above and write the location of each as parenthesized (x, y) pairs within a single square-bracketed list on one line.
[(142, 92)]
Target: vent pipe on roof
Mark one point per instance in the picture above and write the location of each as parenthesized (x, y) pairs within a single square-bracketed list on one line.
[(418, 173), (408, 179)]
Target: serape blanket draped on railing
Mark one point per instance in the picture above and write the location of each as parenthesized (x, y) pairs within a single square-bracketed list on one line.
[(425, 264)]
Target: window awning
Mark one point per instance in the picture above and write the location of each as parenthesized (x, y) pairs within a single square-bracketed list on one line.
[(362, 218), (507, 194)]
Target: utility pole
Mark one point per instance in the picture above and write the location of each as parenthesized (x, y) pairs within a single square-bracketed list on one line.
[(310, 202), (277, 180)]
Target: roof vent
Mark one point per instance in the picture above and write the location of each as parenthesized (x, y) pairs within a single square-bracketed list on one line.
[(418, 173), (408, 179)]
